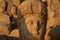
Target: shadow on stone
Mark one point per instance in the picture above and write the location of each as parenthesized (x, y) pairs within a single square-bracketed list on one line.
[(55, 33), (3, 37)]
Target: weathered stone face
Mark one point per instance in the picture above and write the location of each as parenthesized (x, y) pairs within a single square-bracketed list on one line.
[(32, 24), (32, 19), (13, 11), (31, 13)]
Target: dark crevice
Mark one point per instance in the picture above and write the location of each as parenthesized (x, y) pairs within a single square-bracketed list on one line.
[(31, 8), (39, 26), (13, 23), (51, 27), (59, 0), (6, 6), (21, 1), (44, 19)]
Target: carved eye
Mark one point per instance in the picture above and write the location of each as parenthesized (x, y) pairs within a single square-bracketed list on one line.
[(51, 27), (31, 22), (22, 1)]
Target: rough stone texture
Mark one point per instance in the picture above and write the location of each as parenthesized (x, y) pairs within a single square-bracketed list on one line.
[(4, 24), (53, 20), (13, 18), (32, 15), (2, 5), (32, 28), (14, 33), (4, 19)]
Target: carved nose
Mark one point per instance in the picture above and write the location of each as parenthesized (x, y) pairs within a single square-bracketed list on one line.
[(38, 27)]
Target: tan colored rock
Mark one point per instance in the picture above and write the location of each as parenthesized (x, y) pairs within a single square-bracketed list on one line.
[(2, 5), (16, 2), (12, 8), (4, 20), (4, 24), (53, 20), (13, 11), (32, 27), (14, 33)]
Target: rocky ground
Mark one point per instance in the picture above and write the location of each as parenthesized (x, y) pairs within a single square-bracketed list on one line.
[(29, 19)]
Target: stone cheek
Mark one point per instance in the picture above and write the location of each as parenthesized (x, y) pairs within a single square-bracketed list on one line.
[(4, 24), (32, 25)]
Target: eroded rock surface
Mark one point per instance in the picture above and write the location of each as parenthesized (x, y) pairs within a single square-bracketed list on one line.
[(53, 19), (31, 10), (33, 18), (4, 23)]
